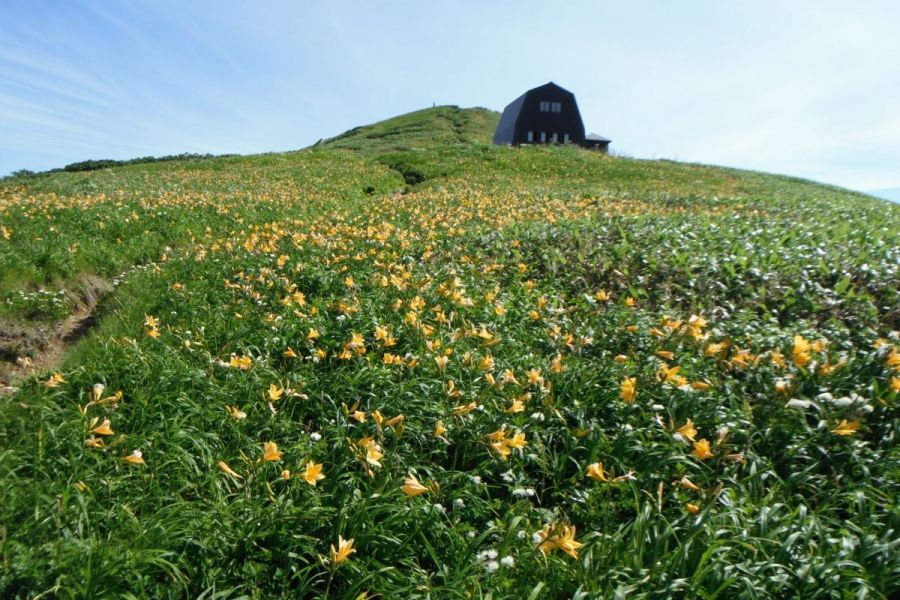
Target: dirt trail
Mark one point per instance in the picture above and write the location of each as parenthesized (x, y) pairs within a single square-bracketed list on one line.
[(28, 347)]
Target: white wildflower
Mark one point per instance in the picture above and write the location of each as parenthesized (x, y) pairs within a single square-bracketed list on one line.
[(797, 403)]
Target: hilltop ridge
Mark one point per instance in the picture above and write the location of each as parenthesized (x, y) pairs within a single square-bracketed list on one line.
[(441, 125)]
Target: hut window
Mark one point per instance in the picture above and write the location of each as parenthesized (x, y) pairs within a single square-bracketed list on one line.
[(555, 137), (556, 107), (543, 136), (566, 138), (530, 136), (545, 106)]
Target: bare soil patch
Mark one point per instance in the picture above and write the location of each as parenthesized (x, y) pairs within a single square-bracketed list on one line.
[(29, 347)]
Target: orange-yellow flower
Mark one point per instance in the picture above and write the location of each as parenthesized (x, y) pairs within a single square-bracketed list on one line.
[(373, 451), (715, 348), (411, 487), (240, 362), (893, 359), (627, 389), (778, 359), (54, 380), (556, 365), (439, 429), (688, 484), (313, 473), (517, 406), (800, 352), (464, 409), (508, 377), (271, 452), (595, 472), (223, 466), (502, 448), (103, 428), (535, 377), (552, 538), (395, 421), (344, 550), (135, 458), (688, 430), (235, 413), (668, 374), (692, 508), (275, 392), (701, 449), (517, 441), (846, 428)]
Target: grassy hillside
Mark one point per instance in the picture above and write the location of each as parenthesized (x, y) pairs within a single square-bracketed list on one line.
[(537, 372), (440, 126)]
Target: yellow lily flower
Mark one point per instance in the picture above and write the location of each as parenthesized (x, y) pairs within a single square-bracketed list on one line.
[(846, 428), (223, 466), (595, 472), (275, 392), (103, 429), (313, 473), (800, 352), (517, 406), (627, 390), (688, 484), (551, 539), (344, 550), (688, 430), (411, 487), (54, 380), (271, 452), (135, 458), (235, 413), (701, 450)]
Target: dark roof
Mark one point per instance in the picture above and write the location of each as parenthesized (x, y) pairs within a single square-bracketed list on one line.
[(508, 119), (593, 137)]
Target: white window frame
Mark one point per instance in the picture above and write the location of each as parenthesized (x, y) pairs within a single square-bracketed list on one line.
[(543, 137), (530, 136), (545, 106), (556, 107), (566, 138), (554, 138)]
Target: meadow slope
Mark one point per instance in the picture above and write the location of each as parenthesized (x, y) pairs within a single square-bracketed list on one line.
[(406, 363)]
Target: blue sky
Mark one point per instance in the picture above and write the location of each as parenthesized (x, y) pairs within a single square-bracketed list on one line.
[(808, 88)]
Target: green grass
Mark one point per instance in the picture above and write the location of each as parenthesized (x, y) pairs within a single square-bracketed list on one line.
[(474, 276)]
